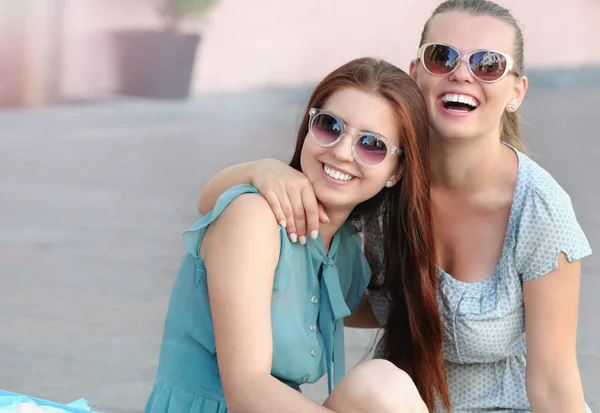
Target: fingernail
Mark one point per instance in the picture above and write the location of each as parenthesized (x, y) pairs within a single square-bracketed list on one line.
[(314, 234), (327, 218), (282, 223), (293, 237), (302, 240)]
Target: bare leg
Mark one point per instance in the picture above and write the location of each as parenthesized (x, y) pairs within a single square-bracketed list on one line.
[(376, 386)]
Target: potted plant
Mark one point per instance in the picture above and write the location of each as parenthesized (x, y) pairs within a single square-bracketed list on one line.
[(160, 63)]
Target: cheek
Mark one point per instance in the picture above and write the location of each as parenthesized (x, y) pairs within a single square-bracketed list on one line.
[(379, 175), (427, 86), (392, 170), (496, 100), (424, 80), (498, 94), (310, 152)]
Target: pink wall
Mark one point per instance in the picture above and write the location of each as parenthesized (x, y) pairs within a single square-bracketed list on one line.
[(286, 43), (283, 42), (11, 54), (88, 61)]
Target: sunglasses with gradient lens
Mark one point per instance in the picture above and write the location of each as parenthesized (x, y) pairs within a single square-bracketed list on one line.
[(328, 129), (486, 65)]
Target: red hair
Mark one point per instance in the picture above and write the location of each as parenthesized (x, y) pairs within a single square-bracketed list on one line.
[(397, 225)]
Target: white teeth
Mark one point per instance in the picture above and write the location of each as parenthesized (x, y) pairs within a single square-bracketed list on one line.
[(340, 176), (449, 97)]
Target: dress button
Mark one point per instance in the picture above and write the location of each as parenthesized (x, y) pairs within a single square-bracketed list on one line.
[(314, 299), (312, 327), (303, 379), (313, 352)]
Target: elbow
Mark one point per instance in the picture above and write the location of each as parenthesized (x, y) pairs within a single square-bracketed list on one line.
[(236, 403), (240, 393), (556, 393), (236, 407), (538, 395)]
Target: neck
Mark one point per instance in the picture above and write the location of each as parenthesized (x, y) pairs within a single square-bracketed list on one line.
[(337, 218), (464, 166)]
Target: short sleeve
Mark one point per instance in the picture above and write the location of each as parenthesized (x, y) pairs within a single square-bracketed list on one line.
[(547, 227), (380, 304), (192, 237), (361, 278), (353, 267)]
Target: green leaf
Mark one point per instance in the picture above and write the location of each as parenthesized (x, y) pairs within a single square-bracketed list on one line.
[(192, 7)]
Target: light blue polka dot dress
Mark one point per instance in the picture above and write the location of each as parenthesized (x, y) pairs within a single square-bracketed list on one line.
[(484, 322)]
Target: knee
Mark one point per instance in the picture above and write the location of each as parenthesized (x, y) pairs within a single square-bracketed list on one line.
[(380, 386), (383, 381)]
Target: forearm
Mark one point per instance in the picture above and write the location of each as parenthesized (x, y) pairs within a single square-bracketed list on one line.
[(269, 395), (562, 393), (227, 178), (552, 375)]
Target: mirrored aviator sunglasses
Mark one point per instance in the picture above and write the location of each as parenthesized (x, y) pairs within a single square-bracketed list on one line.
[(485, 65), (328, 129)]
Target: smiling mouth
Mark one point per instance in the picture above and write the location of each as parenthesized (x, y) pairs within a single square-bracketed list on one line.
[(337, 175), (459, 103)]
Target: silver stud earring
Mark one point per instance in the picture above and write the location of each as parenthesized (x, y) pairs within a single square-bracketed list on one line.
[(388, 184), (512, 106)]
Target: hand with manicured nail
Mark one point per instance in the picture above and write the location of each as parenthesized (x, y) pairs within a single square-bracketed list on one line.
[(291, 196)]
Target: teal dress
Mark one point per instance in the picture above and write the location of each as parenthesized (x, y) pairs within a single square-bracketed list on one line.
[(307, 307)]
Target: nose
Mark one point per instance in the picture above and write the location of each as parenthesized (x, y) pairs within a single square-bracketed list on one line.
[(343, 150), (462, 73)]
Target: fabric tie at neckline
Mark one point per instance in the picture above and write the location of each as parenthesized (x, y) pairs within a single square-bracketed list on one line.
[(332, 311)]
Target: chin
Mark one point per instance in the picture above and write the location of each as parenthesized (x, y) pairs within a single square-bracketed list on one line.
[(333, 200), (454, 131)]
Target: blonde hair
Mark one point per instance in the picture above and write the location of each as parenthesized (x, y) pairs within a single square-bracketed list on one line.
[(509, 124)]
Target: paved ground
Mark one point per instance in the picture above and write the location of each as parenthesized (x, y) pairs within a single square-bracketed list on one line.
[(94, 198)]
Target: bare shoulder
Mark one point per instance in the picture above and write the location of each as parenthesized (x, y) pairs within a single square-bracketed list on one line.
[(248, 221)]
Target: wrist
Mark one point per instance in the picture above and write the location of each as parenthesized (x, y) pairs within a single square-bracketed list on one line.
[(250, 169)]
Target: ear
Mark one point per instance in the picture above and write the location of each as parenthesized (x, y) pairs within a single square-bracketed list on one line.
[(395, 178), (412, 70), (519, 91)]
